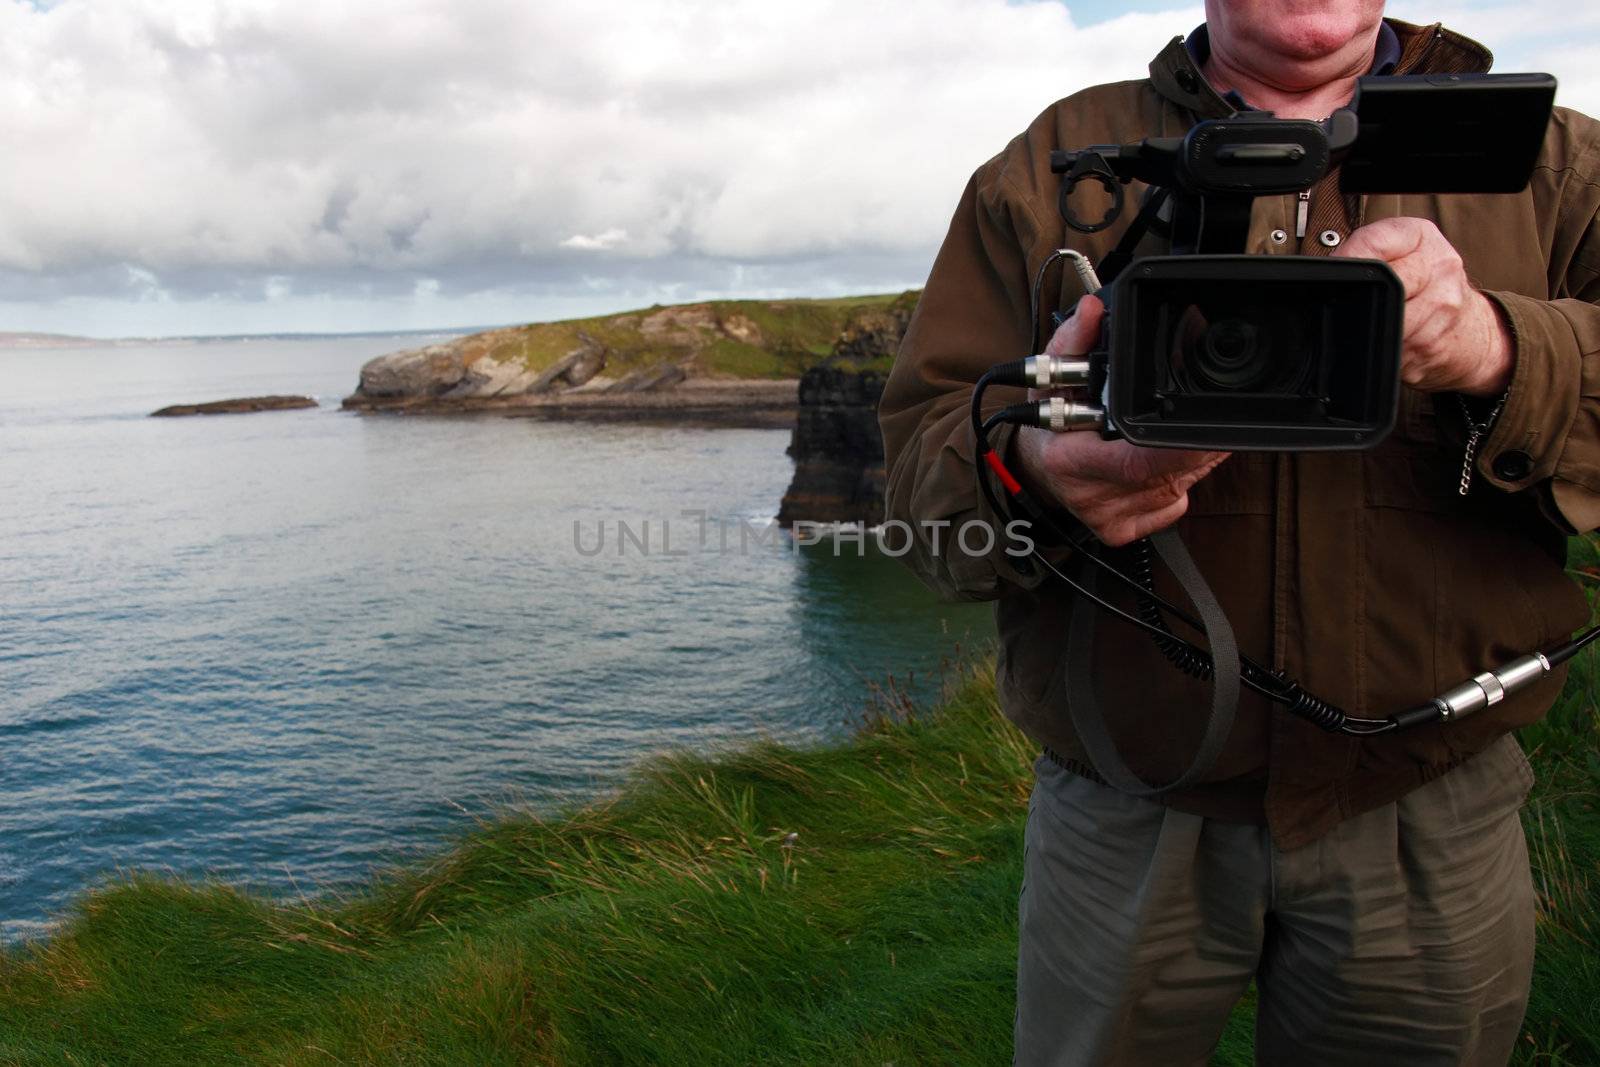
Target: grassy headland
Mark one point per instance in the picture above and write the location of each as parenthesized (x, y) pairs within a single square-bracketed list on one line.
[(722, 338), (846, 904), (725, 362)]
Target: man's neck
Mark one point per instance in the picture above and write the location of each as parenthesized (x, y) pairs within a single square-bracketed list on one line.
[(1316, 91)]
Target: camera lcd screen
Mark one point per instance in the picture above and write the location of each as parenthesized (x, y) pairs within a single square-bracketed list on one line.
[(1447, 133)]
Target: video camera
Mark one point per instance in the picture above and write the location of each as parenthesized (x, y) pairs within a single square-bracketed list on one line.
[(1210, 348)]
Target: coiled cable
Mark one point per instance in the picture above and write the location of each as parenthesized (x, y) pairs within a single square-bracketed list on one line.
[(1141, 568)]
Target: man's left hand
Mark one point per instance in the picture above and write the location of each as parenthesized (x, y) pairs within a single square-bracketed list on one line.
[(1455, 338)]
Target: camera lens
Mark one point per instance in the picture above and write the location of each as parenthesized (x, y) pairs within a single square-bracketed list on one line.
[(1229, 355), (1249, 348)]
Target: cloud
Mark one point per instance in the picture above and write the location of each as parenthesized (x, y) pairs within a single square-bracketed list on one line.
[(215, 146), (599, 242), (234, 152)]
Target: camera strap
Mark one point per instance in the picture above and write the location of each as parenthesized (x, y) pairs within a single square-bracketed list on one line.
[(1083, 705)]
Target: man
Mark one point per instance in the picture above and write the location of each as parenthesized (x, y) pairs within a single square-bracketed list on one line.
[(1376, 890)]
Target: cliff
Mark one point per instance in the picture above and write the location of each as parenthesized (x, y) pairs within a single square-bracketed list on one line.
[(837, 449), (815, 365), (733, 356)]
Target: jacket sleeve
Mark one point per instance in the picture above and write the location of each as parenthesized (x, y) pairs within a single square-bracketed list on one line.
[(973, 313), (1547, 437)]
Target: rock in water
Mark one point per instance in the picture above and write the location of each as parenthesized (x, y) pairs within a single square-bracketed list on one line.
[(239, 406), (837, 449), (837, 446)]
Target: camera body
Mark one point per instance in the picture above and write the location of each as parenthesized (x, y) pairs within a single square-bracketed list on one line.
[(1211, 348), (1251, 352)]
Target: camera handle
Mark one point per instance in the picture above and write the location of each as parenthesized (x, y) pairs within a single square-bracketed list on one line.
[(1089, 165), (1214, 223), (1216, 171)]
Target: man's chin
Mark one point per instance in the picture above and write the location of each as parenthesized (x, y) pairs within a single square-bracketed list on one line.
[(1314, 36), (1319, 41), (1308, 54)]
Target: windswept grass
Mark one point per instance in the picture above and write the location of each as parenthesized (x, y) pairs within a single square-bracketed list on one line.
[(1563, 824), (850, 904)]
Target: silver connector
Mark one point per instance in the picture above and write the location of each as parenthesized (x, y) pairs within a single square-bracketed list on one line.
[(1051, 372), (1085, 269), (1491, 687), (1059, 414)]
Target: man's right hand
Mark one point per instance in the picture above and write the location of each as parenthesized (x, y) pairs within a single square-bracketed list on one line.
[(1120, 491)]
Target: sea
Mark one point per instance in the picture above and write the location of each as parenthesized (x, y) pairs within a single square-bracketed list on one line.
[(288, 650)]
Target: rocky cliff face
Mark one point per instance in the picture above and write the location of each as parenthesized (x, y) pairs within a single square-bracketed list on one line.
[(481, 367), (837, 448)]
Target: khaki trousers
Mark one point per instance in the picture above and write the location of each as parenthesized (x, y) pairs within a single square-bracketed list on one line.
[(1403, 937)]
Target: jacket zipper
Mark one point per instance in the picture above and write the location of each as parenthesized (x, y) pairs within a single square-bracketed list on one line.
[(1301, 213)]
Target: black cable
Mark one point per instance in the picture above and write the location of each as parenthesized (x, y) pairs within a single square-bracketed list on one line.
[(975, 412), (992, 421), (1288, 693), (1038, 286), (1250, 678), (980, 431), (1134, 620), (1275, 687), (1143, 569), (1565, 652), (1185, 654), (1166, 605)]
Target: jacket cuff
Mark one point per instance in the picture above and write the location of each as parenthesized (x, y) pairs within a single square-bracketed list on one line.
[(1525, 445)]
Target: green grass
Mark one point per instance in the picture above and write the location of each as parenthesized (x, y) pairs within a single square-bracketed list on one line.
[(1563, 1023), (848, 904), (730, 338)]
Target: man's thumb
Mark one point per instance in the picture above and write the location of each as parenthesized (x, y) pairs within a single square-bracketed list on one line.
[(1078, 334)]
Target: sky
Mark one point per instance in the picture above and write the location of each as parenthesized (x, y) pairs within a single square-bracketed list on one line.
[(250, 166)]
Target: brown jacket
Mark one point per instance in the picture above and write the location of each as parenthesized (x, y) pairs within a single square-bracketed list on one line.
[(1364, 575)]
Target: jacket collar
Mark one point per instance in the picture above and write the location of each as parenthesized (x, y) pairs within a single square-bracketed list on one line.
[(1423, 50)]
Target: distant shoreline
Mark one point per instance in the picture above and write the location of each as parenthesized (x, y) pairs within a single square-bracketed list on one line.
[(701, 401), (45, 340), (30, 341)]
